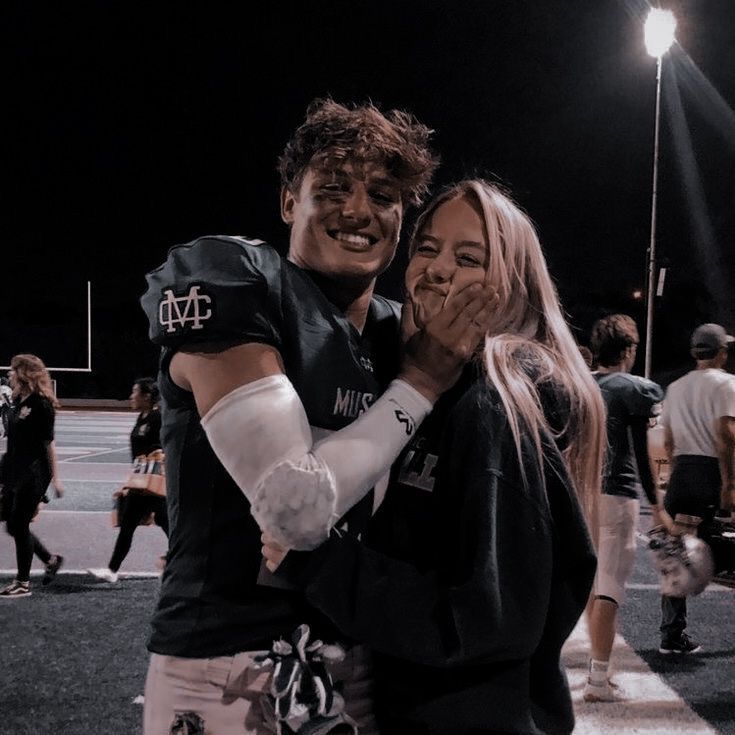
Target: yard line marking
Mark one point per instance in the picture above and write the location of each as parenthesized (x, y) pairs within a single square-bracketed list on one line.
[(71, 449), (84, 573), (51, 512), (712, 587), (97, 454), (652, 707)]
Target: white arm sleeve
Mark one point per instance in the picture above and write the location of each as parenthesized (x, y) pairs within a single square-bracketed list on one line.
[(298, 489)]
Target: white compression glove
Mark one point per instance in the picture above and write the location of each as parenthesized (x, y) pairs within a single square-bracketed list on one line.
[(298, 489)]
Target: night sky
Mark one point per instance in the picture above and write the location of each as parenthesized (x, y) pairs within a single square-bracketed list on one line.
[(133, 128)]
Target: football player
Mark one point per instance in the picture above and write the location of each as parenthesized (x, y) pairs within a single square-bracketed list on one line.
[(280, 407), (631, 402)]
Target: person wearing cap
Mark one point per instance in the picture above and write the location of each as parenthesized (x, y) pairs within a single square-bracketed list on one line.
[(699, 436)]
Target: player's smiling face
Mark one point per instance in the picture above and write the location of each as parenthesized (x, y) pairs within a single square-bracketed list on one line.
[(345, 219), (449, 252)]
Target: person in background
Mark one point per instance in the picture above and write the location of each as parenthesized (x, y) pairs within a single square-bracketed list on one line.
[(6, 405), (699, 436), (28, 466), (479, 563), (631, 402), (145, 438)]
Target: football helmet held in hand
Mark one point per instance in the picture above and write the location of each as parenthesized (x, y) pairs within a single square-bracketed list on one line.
[(684, 563)]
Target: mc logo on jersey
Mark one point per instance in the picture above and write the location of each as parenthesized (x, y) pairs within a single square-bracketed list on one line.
[(178, 311)]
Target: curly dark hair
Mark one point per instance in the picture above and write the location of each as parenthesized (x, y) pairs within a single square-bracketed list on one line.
[(611, 336), (338, 131)]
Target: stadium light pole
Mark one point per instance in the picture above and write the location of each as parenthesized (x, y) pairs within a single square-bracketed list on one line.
[(659, 35)]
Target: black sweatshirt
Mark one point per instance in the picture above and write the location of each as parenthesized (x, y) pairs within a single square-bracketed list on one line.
[(470, 580)]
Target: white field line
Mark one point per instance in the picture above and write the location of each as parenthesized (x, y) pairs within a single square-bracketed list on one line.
[(651, 707), (711, 588), (104, 472), (85, 413), (79, 512), (93, 454), (79, 451), (83, 572)]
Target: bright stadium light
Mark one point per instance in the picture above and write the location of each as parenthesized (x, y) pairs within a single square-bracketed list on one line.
[(659, 31), (659, 35)]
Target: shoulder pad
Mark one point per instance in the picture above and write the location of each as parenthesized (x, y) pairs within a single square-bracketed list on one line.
[(639, 395), (644, 395), (215, 289)]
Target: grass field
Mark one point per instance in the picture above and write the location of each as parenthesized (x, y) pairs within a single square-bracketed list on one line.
[(73, 660), (73, 657)]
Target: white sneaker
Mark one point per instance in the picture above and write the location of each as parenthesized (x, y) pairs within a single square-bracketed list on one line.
[(104, 575), (607, 692)]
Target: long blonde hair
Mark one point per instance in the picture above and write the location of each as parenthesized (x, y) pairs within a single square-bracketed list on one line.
[(528, 329), (32, 376)]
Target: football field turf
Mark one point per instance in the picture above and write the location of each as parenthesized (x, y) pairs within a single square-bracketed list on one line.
[(73, 657)]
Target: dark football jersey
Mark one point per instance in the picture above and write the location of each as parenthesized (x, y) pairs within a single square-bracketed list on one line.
[(627, 397), (226, 291)]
